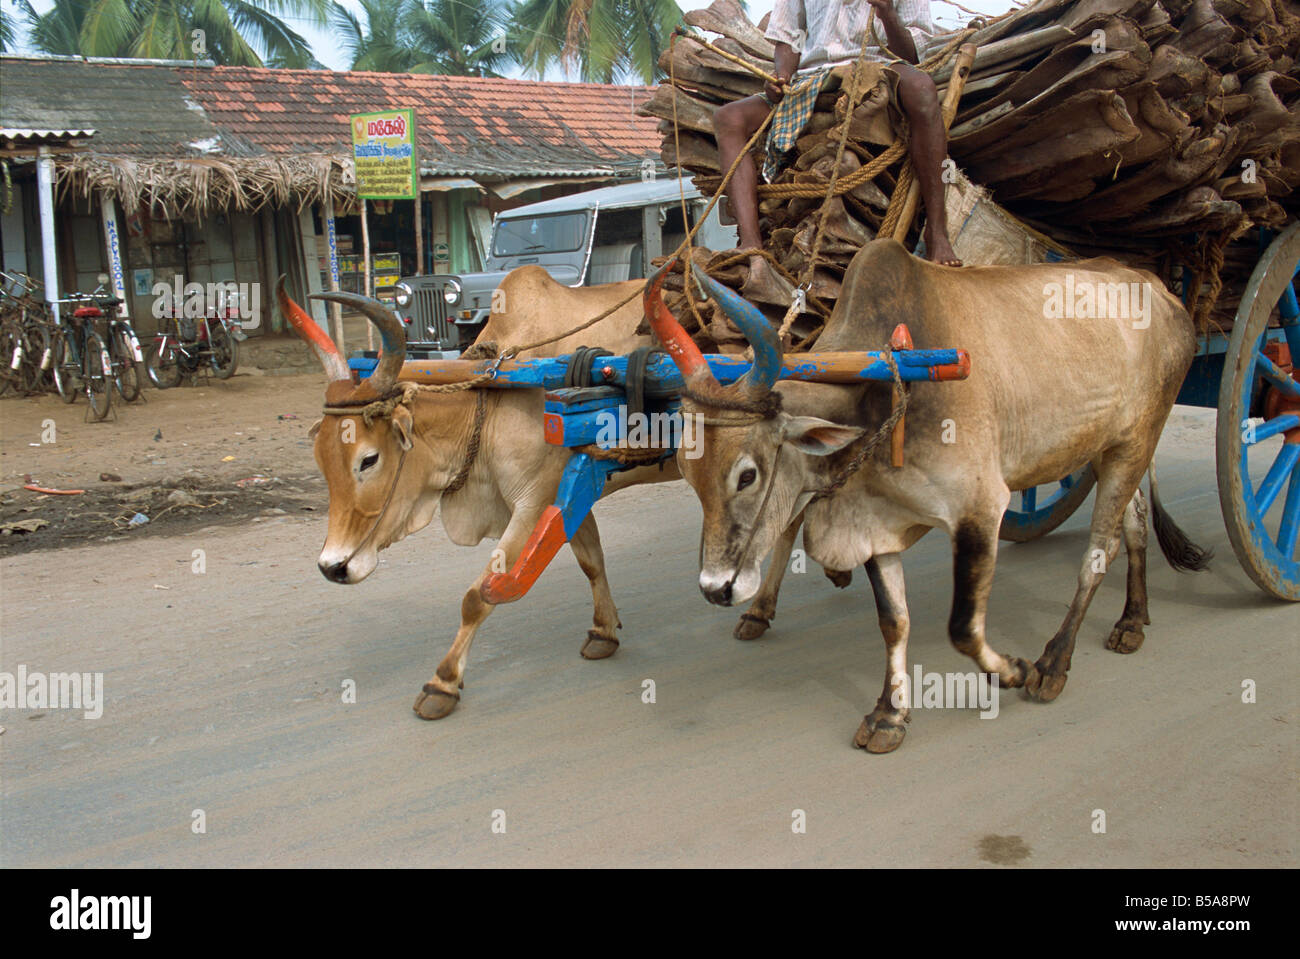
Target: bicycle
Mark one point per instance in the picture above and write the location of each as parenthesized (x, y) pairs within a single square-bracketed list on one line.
[(191, 341), (24, 335), (81, 362)]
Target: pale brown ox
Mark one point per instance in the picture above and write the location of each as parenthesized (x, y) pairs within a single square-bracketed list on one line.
[(511, 481), (1045, 397)]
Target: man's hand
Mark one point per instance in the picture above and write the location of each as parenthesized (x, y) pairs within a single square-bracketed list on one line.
[(775, 94), (787, 62), (896, 36)]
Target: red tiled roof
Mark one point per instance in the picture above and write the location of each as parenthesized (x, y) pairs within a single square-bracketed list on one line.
[(467, 125)]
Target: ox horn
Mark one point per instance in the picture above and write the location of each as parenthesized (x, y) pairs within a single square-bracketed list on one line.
[(336, 368), (392, 334), (751, 322), (685, 354)]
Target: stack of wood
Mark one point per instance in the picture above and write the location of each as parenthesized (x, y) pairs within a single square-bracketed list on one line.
[(1156, 131)]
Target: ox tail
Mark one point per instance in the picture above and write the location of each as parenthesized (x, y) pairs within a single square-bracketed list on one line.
[(1181, 553)]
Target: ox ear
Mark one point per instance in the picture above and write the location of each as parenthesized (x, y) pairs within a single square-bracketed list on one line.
[(817, 437), (403, 426), (315, 428)]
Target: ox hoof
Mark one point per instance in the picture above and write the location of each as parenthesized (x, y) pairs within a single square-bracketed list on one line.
[(751, 626), (598, 646), (433, 703), (880, 732), (1044, 686), (1126, 637), (840, 578)]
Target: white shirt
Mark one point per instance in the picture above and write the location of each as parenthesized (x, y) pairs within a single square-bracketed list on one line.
[(829, 32)]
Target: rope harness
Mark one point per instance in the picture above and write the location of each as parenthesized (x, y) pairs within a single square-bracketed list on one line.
[(746, 411), (404, 394)]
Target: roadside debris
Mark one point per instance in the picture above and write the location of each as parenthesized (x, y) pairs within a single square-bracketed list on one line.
[(139, 519), (54, 492), (22, 526), (109, 478)]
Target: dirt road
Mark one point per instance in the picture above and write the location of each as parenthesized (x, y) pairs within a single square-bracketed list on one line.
[(224, 692)]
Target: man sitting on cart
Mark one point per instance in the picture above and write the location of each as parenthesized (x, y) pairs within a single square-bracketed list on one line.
[(814, 36)]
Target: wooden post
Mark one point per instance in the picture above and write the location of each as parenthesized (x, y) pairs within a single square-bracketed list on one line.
[(419, 234), (961, 70), (365, 269)]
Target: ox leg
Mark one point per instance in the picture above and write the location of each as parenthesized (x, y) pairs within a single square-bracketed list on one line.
[(1115, 487), (440, 695), (975, 551), (601, 639), (754, 622), (1127, 636), (882, 729)]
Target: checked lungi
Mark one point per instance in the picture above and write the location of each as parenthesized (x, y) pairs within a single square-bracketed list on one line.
[(789, 117)]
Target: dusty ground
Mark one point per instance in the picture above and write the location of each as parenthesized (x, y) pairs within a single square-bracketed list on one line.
[(224, 694), (233, 449)]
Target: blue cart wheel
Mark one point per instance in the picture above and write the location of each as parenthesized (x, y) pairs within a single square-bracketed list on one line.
[(1037, 511), (1259, 460)]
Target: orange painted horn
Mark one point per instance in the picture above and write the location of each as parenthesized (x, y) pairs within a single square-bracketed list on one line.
[(336, 368), (685, 354)]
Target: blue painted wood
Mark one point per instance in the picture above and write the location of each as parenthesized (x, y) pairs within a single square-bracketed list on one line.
[(580, 486), (661, 375)]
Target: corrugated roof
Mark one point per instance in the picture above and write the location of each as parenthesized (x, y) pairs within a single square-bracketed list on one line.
[(467, 126)]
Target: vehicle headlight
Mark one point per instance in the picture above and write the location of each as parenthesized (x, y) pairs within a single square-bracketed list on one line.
[(451, 292), (404, 294)]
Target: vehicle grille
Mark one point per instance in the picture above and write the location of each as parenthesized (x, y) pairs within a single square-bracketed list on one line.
[(428, 310)]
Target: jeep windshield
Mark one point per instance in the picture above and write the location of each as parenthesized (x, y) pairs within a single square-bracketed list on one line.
[(556, 233)]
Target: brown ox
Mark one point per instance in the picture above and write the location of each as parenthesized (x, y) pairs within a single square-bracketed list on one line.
[(1045, 397), (387, 477)]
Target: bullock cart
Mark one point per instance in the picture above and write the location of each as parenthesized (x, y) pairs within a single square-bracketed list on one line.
[(1162, 133)]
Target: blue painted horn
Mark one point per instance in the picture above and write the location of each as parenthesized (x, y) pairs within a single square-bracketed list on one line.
[(759, 332), (392, 334)]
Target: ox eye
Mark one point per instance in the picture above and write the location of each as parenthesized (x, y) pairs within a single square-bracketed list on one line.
[(747, 478), (368, 461)]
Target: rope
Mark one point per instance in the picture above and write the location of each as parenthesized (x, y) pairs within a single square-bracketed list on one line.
[(887, 427)]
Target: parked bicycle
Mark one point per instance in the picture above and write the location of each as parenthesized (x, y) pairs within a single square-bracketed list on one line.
[(186, 343), (25, 357), (81, 361)]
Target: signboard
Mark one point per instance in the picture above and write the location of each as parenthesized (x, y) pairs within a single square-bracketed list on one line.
[(113, 242), (441, 253), (383, 147)]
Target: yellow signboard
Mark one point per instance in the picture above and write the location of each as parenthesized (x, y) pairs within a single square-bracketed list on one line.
[(383, 146)]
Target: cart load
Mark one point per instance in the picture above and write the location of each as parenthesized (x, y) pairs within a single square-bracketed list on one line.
[(1160, 132)]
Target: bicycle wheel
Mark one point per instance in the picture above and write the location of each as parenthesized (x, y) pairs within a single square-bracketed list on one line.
[(162, 367), (98, 375), (225, 354), (11, 359), (36, 357), (64, 368), (126, 375)]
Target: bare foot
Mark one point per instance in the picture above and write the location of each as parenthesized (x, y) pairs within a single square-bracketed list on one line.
[(765, 285), (938, 249)]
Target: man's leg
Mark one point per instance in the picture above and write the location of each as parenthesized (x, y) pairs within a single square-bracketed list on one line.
[(733, 124), (929, 146)]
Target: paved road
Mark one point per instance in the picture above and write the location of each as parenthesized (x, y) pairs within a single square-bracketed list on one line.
[(223, 694)]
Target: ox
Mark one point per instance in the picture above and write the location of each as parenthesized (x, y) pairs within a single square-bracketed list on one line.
[(388, 475), (1045, 397)]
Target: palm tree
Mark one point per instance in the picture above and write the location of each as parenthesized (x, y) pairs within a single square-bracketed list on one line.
[(464, 38), (606, 39), (228, 31), (460, 37), (376, 47)]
